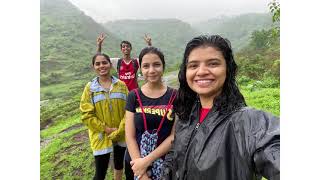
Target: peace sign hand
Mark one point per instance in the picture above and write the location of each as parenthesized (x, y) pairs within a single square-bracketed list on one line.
[(147, 39), (100, 39)]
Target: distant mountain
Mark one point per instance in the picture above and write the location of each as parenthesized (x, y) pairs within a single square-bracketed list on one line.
[(68, 41), (68, 38), (170, 35), (237, 28)]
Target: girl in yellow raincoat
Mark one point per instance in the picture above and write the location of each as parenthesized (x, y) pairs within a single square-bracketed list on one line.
[(103, 110)]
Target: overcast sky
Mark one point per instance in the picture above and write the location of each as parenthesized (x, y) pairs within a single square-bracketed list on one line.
[(187, 10)]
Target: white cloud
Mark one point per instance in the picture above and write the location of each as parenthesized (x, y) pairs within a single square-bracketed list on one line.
[(106, 10)]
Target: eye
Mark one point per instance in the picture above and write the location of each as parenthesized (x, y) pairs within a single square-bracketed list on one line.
[(157, 64), (104, 62), (97, 63), (145, 66), (192, 65), (213, 63)]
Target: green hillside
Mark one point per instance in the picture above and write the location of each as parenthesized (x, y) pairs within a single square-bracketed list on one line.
[(236, 28), (68, 42), (170, 35)]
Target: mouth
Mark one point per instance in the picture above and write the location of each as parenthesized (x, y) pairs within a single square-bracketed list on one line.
[(152, 76), (203, 82), (103, 70)]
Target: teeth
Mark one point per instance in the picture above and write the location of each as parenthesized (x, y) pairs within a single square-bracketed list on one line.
[(204, 81)]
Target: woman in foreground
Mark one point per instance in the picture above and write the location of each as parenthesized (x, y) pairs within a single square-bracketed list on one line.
[(217, 136)]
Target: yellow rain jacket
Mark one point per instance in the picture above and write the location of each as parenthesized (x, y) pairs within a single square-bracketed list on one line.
[(104, 108)]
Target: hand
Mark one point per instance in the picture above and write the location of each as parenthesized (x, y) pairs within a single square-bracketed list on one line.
[(109, 130), (114, 136), (139, 166), (100, 39), (147, 39)]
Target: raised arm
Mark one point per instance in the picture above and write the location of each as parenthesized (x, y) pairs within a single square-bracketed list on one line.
[(147, 38), (100, 40)]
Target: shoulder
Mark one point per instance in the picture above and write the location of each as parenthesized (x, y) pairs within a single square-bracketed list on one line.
[(119, 83), (114, 60), (135, 61), (253, 119), (132, 94), (87, 87), (170, 89), (249, 112)]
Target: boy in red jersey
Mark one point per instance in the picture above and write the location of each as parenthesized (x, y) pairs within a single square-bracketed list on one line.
[(127, 67)]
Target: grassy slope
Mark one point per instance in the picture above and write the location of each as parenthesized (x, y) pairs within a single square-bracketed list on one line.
[(65, 151)]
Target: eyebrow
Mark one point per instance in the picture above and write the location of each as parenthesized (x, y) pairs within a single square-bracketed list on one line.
[(212, 59)]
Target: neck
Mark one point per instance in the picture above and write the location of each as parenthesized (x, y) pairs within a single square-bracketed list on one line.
[(105, 78), (206, 102), (154, 86), (126, 57)]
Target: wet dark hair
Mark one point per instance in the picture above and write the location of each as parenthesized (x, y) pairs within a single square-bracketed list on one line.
[(152, 50), (100, 54), (125, 42), (230, 97)]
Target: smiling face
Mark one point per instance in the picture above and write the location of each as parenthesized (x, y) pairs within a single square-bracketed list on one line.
[(206, 71), (101, 66), (152, 68), (125, 49)]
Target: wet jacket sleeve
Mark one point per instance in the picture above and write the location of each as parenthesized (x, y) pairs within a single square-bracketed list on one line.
[(168, 165), (117, 134), (88, 116), (264, 144)]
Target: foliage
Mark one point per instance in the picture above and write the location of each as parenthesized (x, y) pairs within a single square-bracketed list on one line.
[(274, 8), (266, 99), (170, 35), (68, 42), (260, 59), (236, 28)]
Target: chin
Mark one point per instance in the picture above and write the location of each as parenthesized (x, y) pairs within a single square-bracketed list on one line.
[(154, 80)]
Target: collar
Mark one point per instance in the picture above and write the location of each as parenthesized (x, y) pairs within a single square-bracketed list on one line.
[(96, 87)]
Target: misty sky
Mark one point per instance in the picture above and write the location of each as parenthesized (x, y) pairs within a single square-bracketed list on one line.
[(187, 10)]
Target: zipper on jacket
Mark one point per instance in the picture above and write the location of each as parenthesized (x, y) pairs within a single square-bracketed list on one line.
[(197, 126)]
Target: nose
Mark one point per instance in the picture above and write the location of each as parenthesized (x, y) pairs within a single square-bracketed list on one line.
[(203, 70), (151, 69)]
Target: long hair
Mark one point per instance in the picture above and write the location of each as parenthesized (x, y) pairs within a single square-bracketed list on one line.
[(229, 99)]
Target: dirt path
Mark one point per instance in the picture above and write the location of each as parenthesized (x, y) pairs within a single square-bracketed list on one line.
[(171, 79)]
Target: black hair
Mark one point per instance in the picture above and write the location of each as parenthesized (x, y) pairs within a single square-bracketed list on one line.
[(229, 99), (152, 50), (125, 42), (100, 54)]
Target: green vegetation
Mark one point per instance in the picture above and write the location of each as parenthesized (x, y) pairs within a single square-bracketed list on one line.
[(68, 42), (170, 35), (236, 28)]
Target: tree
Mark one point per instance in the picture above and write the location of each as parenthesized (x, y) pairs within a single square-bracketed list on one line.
[(274, 7)]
